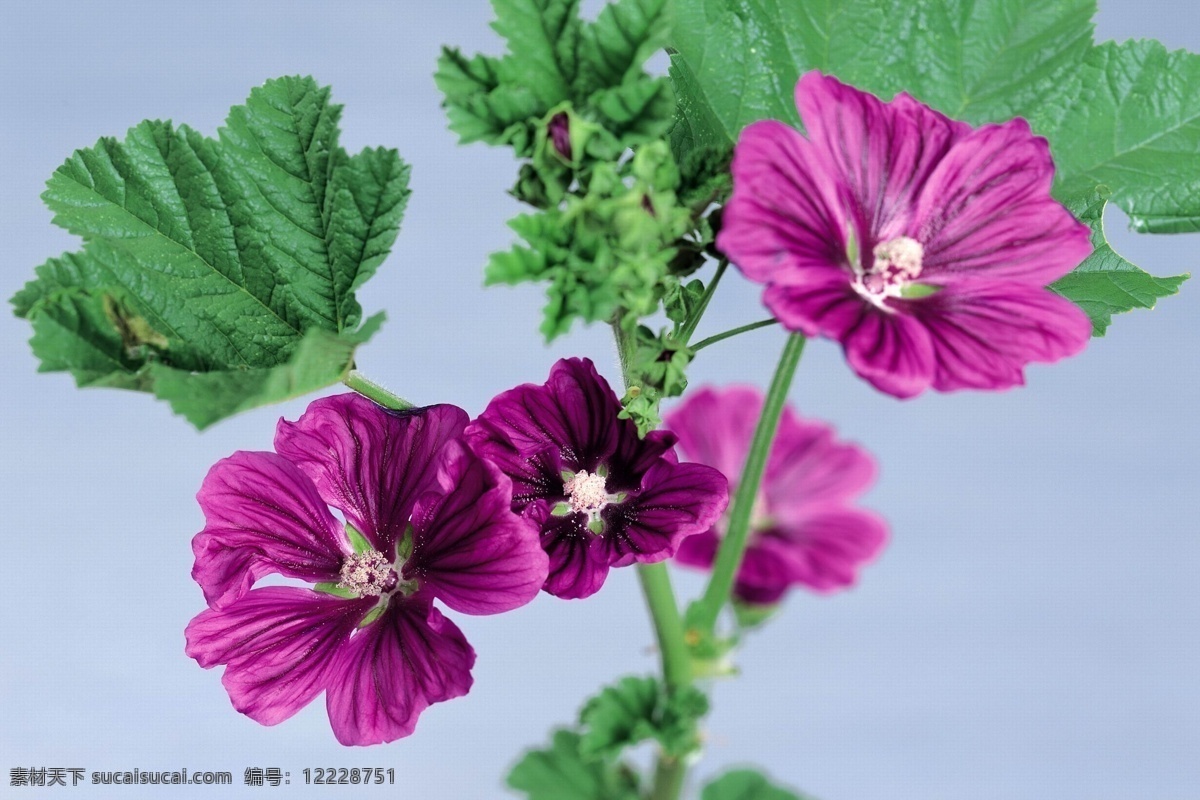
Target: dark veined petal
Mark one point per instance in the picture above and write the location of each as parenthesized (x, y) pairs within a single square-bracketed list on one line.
[(395, 668), (882, 153), (263, 515), (986, 213), (675, 501), (470, 550), (983, 337), (278, 644), (579, 558), (784, 223), (369, 462), (573, 416), (892, 351)]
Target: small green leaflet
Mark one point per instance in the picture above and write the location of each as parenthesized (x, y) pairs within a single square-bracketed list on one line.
[(1105, 283), (636, 709), (218, 274), (746, 784), (1121, 118), (559, 772), (555, 57)]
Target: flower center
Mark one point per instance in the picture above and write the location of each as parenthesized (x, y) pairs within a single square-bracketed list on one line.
[(586, 492), (897, 264), (367, 574)]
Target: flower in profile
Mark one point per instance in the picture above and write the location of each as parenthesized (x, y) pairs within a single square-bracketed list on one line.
[(803, 530), (424, 517), (601, 496), (921, 244)]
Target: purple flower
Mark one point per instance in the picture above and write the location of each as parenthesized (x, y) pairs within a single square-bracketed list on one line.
[(922, 245), (601, 496), (802, 530), (431, 520)]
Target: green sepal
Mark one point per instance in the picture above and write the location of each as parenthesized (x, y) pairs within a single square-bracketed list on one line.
[(915, 291), (357, 540), (372, 615), (329, 587), (752, 615)]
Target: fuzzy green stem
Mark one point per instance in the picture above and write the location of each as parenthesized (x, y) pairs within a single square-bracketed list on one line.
[(733, 545), (689, 327), (669, 773), (368, 388), (753, 326)]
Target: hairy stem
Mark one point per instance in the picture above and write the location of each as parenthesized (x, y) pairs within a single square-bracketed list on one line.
[(368, 388), (733, 545), (689, 327), (753, 326), (669, 773)]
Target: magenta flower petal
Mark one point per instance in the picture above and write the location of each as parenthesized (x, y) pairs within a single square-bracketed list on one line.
[(469, 549), (788, 229), (579, 560), (882, 152), (370, 463), (262, 516), (394, 669), (278, 644), (676, 501), (857, 230), (986, 211), (982, 336), (437, 522), (802, 530), (596, 491)]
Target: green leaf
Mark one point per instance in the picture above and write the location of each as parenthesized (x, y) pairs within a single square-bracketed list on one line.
[(560, 773), (637, 709), (1105, 283), (1132, 124), (225, 269), (977, 60), (746, 784)]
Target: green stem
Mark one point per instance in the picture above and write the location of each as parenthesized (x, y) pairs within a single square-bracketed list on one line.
[(753, 326), (368, 388), (689, 326), (729, 555), (669, 773)]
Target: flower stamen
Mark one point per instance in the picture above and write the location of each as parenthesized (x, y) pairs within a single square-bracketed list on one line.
[(367, 574), (897, 263)]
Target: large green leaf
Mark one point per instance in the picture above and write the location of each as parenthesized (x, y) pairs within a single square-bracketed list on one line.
[(560, 773), (218, 274), (1131, 123), (1123, 120)]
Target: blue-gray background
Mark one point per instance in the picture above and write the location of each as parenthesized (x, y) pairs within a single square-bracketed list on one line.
[(1030, 632)]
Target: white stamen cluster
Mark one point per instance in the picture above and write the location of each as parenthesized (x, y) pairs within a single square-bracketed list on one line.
[(366, 574), (586, 492), (898, 262)]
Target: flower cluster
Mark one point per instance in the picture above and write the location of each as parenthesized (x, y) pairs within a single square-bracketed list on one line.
[(922, 245), (430, 512), (803, 530)]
